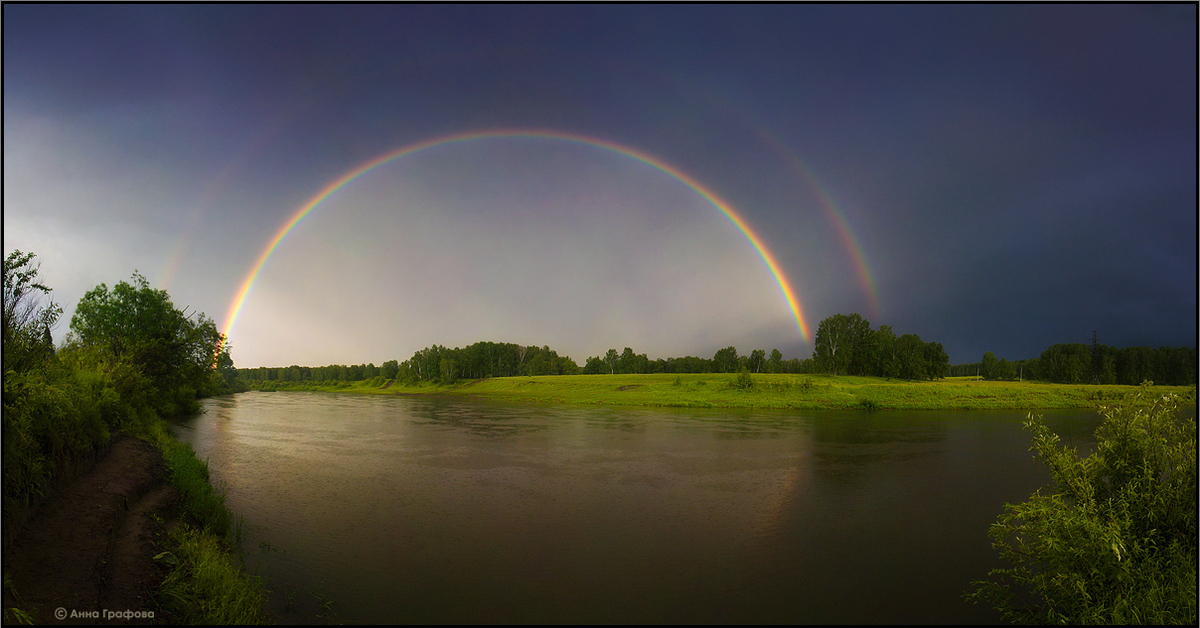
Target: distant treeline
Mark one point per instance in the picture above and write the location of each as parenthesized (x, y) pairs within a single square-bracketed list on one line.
[(432, 364), (1078, 363), (503, 359), (845, 344)]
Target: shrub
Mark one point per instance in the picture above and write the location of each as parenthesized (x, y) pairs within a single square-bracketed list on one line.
[(742, 381), (1115, 539)]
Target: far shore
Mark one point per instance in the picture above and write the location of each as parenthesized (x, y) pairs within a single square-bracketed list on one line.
[(766, 390)]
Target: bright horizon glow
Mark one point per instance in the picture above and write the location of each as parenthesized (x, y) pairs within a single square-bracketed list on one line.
[(248, 284)]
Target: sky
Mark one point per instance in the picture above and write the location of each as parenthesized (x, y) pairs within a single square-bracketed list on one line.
[(349, 184)]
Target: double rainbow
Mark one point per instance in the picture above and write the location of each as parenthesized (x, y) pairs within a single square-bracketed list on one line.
[(247, 286)]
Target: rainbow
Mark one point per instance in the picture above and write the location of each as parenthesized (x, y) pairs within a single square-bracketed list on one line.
[(835, 216), (247, 285)]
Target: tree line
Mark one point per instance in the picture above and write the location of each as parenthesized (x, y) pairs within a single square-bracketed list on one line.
[(845, 344), (435, 363), (1079, 363), (439, 364)]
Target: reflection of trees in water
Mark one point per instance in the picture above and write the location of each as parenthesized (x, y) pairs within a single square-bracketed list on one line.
[(879, 427)]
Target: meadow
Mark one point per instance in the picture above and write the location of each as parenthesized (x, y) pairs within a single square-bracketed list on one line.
[(773, 390)]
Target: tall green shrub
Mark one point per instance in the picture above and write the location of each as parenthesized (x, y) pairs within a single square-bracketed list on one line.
[(1114, 540)]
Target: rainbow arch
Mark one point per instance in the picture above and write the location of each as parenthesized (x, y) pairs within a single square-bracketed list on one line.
[(835, 216), (247, 285)]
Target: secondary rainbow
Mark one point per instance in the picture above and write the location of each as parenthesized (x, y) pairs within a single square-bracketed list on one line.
[(247, 286), (835, 216)]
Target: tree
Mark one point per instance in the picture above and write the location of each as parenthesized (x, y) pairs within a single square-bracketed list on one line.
[(1114, 540), (611, 359), (887, 354), (743, 381), (567, 366), (27, 321), (389, 369), (225, 372), (405, 373), (628, 362), (139, 326), (775, 362), (987, 366), (757, 361), (836, 339), (865, 353), (448, 371), (1066, 363), (937, 361), (911, 357), (1004, 370), (725, 360), (594, 365)]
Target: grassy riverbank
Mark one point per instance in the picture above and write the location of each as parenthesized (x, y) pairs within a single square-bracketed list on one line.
[(141, 531), (205, 583), (717, 390), (101, 507)]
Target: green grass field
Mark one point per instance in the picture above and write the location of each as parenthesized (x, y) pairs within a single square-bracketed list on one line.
[(716, 390)]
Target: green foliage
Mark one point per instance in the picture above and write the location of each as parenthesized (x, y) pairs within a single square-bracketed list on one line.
[(837, 341), (27, 321), (937, 362), (204, 504), (1004, 370), (389, 369), (1115, 540), (132, 358), (742, 381), (1077, 363), (47, 422), (205, 587), (16, 614), (136, 325), (988, 366), (726, 360), (771, 390), (610, 360), (757, 361), (845, 344), (775, 362)]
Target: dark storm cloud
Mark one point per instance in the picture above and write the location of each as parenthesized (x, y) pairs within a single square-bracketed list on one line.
[(1017, 175)]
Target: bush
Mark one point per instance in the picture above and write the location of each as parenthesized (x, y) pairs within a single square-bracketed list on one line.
[(742, 381), (1115, 540)]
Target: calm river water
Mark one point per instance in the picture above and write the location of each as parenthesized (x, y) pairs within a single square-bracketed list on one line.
[(371, 509)]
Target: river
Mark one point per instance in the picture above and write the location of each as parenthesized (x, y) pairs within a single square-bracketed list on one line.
[(382, 509)]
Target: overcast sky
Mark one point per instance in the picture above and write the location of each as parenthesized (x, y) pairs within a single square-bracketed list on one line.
[(994, 178)]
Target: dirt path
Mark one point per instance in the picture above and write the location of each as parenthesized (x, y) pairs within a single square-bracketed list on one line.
[(89, 549)]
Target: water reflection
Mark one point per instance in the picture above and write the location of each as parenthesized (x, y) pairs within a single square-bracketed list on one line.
[(451, 511)]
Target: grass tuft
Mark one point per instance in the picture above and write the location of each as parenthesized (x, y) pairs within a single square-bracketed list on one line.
[(205, 587)]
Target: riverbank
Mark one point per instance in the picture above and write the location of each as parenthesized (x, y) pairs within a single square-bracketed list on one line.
[(763, 390), (141, 537)]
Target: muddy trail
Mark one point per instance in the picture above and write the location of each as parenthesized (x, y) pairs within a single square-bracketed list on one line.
[(87, 553)]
